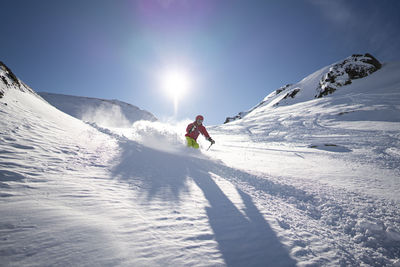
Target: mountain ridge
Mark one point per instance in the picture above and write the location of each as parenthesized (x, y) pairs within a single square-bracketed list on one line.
[(321, 83), (110, 113), (8, 80)]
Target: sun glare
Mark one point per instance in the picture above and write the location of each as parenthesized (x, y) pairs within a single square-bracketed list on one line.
[(175, 83)]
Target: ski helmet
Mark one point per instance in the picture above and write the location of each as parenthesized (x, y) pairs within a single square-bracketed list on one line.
[(199, 117)]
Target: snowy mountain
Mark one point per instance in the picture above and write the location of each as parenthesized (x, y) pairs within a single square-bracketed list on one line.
[(319, 84), (306, 182), (9, 80), (106, 113)]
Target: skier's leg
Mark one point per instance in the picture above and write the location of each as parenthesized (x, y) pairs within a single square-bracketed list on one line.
[(191, 142), (188, 141), (195, 144)]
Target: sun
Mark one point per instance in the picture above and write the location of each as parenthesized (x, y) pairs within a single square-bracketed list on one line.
[(176, 83)]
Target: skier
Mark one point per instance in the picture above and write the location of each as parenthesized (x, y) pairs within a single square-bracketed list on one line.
[(194, 129)]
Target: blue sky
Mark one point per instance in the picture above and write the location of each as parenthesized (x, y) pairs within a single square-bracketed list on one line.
[(235, 51)]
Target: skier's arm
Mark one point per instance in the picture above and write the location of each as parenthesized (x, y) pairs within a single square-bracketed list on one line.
[(204, 132)]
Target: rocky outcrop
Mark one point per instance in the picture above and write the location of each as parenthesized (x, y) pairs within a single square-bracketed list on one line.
[(290, 94), (7, 73), (341, 74), (273, 94), (283, 88), (9, 80), (237, 117)]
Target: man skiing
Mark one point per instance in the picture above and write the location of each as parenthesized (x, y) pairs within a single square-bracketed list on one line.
[(194, 129)]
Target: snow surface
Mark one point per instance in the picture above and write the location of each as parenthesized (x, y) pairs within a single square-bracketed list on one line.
[(315, 183)]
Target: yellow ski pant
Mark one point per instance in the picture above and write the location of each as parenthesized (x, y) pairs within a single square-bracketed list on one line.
[(191, 142)]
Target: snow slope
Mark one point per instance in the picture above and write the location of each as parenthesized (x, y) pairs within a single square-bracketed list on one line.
[(107, 113), (72, 194), (339, 157), (313, 183)]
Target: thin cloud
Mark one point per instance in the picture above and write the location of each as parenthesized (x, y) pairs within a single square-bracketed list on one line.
[(335, 11), (363, 25)]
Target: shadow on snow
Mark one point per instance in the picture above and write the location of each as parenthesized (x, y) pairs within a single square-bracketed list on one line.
[(243, 240)]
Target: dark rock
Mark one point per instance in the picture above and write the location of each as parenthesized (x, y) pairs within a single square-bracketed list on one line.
[(283, 88), (292, 93), (372, 60), (4, 80), (355, 67), (237, 117), (10, 74), (230, 119)]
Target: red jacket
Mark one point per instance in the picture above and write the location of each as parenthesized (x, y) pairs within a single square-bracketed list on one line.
[(193, 130)]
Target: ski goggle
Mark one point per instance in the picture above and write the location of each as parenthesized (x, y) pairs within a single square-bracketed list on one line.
[(200, 121)]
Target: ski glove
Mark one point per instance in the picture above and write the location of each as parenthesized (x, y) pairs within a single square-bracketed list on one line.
[(211, 140)]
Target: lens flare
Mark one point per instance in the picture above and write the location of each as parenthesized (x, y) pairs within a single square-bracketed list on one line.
[(176, 83)]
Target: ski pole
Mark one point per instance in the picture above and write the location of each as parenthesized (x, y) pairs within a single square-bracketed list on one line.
[(209, 146)]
